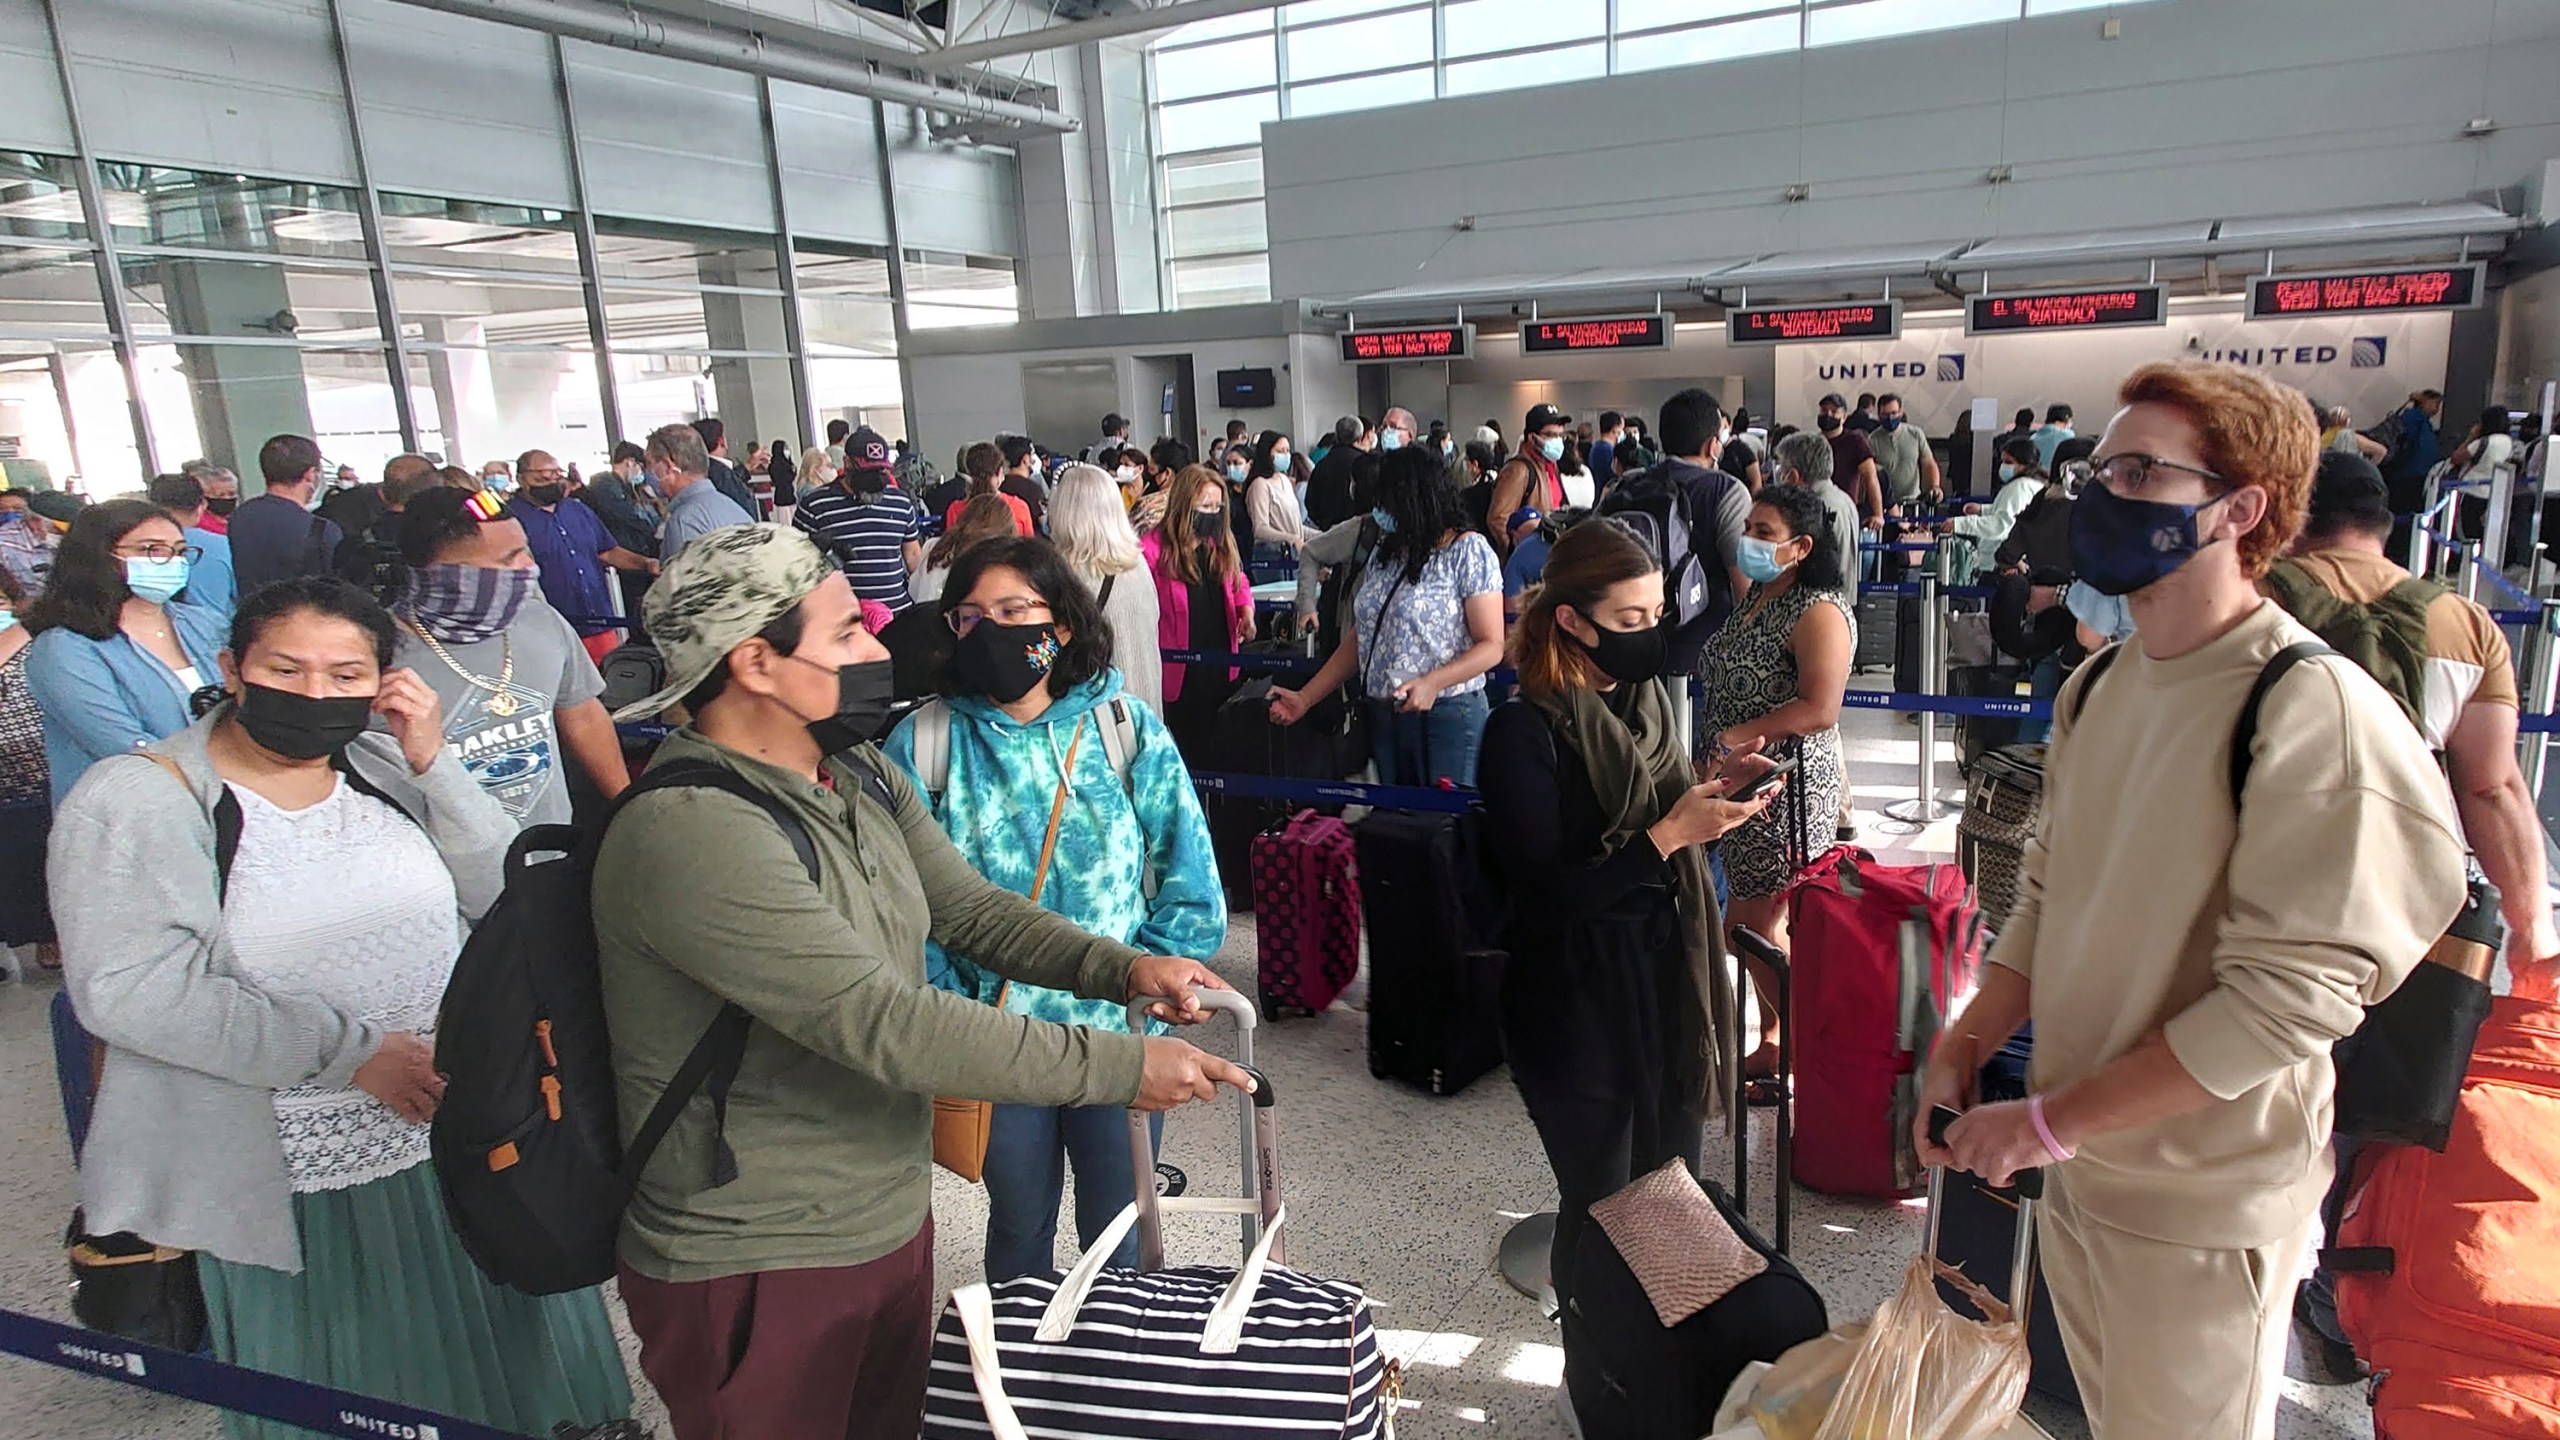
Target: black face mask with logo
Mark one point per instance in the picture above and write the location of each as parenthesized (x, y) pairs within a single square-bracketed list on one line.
[(1004, 662)]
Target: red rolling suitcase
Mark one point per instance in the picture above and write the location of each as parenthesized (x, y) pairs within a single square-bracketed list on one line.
[(1306, 904), (1880, 954)]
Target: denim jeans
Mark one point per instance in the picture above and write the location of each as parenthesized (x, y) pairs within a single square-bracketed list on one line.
[(2045, 682), (1028, 1150), (1429, 746)]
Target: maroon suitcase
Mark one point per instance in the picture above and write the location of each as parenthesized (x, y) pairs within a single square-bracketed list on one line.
[(1306, 904)]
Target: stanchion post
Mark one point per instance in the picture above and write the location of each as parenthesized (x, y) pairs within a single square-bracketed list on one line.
[(2493, 527), (2466, 553), (2542, 691), (1923, 809), (2421, 531)]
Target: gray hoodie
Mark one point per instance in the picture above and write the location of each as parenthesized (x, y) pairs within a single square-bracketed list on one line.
[(183, 1148)]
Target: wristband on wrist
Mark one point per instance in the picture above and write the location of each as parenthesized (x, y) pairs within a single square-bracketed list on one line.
[(2044, 1132)]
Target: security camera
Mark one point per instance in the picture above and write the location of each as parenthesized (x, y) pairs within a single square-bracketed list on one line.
[(285, 322)]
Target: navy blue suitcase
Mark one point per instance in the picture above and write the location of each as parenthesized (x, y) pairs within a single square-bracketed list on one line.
[(1977, 1232)]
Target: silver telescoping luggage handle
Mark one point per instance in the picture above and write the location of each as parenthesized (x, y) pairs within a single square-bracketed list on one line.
[(1257, 1137), (2029, 1185)]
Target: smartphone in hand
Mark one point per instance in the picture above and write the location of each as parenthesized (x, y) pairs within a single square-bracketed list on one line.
[(1768, 780)]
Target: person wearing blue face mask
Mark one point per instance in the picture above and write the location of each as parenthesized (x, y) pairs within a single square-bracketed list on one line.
[(1775, 676), (115, 653), (1903, 458), (2202, 918), (1533, 478)]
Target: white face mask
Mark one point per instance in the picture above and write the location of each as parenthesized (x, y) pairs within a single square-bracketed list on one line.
[(1128, 474)]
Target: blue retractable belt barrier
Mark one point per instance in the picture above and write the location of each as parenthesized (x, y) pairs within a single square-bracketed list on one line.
[(1249, 662), (2538, 724), (1331, 792), (1913, 547), (1912, 587), (1993, 707), (248, 1392)]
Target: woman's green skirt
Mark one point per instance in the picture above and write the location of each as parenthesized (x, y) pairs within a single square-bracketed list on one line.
[(388, 1305)]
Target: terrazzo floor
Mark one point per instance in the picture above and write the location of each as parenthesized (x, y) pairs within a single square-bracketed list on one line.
[(1406, 1194)]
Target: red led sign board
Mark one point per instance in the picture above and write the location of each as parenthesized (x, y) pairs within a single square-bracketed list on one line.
[(1412, 342), (1778, 324), (2066, 310), (1614, 332), (2362, 292)]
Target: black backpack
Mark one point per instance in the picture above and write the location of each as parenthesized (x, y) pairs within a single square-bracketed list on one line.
[(1656, 507), (370, 560), (527, 1140)]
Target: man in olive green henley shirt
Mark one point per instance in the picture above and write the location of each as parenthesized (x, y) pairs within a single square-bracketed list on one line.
[(796, 1300)]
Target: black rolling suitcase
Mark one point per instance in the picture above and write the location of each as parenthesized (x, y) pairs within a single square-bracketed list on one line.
[(1908, 677), (1637, 1369), (1435, 980), (1978, 1233), (1328, 744)]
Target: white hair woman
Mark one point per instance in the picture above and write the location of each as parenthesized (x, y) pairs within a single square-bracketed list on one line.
[(1091, 528)]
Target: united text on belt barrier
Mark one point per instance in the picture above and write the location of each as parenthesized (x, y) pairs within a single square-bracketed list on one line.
[(1335, 792), (208, 1381)]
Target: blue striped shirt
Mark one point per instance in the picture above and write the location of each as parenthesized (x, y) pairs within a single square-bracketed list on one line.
[(867, 538)]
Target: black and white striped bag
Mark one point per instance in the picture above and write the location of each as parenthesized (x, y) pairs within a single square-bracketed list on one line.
[(1163, 1355)]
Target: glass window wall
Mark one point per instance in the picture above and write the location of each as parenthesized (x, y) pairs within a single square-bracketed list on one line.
[(1217, 82)]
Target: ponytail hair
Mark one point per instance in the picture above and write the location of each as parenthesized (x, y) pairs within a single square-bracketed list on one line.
[(1590, 559)]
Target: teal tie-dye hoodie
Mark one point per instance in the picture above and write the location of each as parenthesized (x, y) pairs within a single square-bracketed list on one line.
[(995, 807)]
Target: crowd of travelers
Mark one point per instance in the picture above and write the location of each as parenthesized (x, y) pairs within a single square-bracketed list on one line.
[(273, 750)]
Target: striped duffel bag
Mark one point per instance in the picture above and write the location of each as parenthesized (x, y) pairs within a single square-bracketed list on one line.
[(1173, 1354)]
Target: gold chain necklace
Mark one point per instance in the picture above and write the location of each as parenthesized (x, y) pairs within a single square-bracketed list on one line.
[(502, 697)]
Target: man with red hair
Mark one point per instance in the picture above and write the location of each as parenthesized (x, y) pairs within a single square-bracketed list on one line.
[(2187, 969)]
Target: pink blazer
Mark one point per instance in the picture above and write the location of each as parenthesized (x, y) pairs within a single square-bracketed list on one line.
[(1173, 611)]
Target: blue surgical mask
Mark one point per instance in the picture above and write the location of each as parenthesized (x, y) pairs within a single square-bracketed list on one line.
[(1236, 473), (8, 620), (1891, 422), (2120, 546), (1385, 522), (1759, 560), (1390, 439), (2008, 472), (158, 581), (1552, 447), (2109, 615)]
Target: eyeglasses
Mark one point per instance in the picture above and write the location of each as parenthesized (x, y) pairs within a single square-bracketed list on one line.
[(540, 475), (159, 550), (1017, 611), (2126, 475)]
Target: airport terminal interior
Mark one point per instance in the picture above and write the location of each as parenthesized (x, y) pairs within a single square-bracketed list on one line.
[(505, 235)]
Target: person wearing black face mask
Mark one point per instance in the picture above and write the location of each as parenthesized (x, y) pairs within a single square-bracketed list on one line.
[(1853, 461), (1203, 601), (1616, 1005), (700, 897), (1031, 700), (571, 548), (266, 1015)]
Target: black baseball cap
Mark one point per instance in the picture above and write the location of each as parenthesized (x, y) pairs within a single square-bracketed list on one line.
[(1542, 416), (2348, 488), (1834, 398), (865, 450)]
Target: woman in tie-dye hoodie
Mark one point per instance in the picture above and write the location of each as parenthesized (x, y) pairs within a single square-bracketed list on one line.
[(1029, 698)]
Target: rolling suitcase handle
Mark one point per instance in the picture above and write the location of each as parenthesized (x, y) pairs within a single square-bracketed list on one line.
[(1758, 947), (1258, 1138), (2022, 1255)]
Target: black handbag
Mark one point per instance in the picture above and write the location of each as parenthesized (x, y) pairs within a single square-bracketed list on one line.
[(123, 1285)]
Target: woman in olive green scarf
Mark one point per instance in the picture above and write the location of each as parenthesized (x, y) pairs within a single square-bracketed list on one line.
[(1616, 1003)]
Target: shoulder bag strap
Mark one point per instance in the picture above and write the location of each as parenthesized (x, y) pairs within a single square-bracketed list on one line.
[(1103, 601), (2244, 735), (2091, 673), (1057, 811), (933, 750), (712, 1065), (226, 819)]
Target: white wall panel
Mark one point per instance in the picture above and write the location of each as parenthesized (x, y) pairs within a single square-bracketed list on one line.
[(457, 106), (238, 85), (2201, 111), (953, 197), (830, 163), (668, 140), (32, 117)]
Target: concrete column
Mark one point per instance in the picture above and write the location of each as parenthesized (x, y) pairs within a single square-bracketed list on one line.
[(754, 397), (242, 394)]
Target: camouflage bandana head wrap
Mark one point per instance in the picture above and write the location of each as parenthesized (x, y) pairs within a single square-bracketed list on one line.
[(716, 595)]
